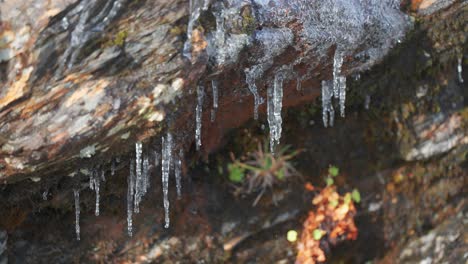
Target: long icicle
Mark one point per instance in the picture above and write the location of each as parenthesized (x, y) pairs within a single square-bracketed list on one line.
[(178, 173), (130, 195), (199, 116), (328, 113), (94, 184), (214, 87), (139, 177), (274, 107), (166, 167), (76, 195)]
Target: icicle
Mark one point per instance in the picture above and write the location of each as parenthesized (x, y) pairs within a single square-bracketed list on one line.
[(130, 194), (113, 167), (94, 184), (251, 75), (195, 8), (298, 84), (214, 86), (76, 195), (198, 116), (337, 64), (275, 104), (146, 174), (328, 113), (339, 81), (178, 173), (367, 102), (103, 176), (139, 178), (166, 167), (44, 195), (157, 158), (342, 88), (460, 70)]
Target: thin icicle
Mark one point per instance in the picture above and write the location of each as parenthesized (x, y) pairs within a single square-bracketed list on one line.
[(460, 70), (178, 173), (367, 102), (139, 178), (214, 86), (130, 194), (198, 116), (157, 158), (103, 175), (94, 184), (339, 81), (251, 75), (166, 167), (342, 87), (76, 195), (275, 104), (146, 174), (328, 113), (337, 64), (113, 167), (298, 84)]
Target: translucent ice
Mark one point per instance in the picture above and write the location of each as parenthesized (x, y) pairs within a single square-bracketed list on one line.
[(166, 167), (275, 104), (199, 116), (328, 113), (76, 195)]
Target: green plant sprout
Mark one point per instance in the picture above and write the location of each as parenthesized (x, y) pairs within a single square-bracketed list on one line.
[(262, 170)]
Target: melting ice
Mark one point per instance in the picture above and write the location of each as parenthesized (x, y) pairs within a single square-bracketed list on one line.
[(166, 161), (274, 106), (328, 113), (76, 195), (178, 173), (94, 184), (130, 196), (198, 116), (214, 87)]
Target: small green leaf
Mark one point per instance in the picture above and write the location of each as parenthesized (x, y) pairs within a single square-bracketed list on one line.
[(268, 163), (280, 174), (356, 196), (318, 234), (333, 171), (347, 198), (333, 203), (236, 174), (291, 236), (329, 181)]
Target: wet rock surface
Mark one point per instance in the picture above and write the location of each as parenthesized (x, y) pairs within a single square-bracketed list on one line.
[(403, 143)]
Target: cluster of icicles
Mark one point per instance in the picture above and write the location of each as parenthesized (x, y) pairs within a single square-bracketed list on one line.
[(139, 181), (139, 176)]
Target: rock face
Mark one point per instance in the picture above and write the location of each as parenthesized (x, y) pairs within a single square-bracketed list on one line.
[(82, 82), (94, 74)]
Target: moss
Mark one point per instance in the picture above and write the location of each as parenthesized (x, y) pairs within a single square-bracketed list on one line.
[(248, 21), (176, 31), (120, 38)]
